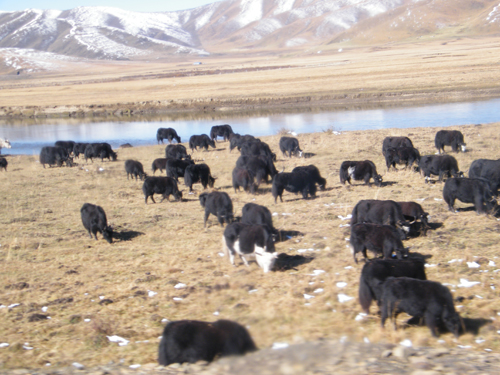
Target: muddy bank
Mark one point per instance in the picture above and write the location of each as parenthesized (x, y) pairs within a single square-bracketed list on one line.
[(250, 105)]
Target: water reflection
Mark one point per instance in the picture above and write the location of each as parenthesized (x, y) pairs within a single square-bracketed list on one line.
[(29, 135)]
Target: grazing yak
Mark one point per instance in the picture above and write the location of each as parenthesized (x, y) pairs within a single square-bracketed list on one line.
[(452, 138), (313, 175), (439, 165), (4, 143), (290, 145), (94, 220), (176, 152), (250, 240), (198, 173), (395, 142), (177, 168), (192, 341), (99, 150), (79, 148), (376, 271), (55, 155), (257, 149), (359, 170), (469, 190), (401, 155), (379, 212), (134, 169), (3, 164), (219, 204), (165, 186), (413, 211), (68, 145), (488, 170), (260, 166), (293, 182), (252, 213), (223, 131), (428, 300), (381, 239), (159, 164), (243, 178), (237, 140), (201, 141), (167, 133)]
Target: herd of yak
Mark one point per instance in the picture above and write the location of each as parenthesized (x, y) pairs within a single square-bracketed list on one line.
[(396, 282)]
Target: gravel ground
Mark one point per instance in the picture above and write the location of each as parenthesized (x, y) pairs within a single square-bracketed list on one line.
[(320, 357)]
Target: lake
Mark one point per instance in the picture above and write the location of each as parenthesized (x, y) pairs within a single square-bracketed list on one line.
[(29, 139)]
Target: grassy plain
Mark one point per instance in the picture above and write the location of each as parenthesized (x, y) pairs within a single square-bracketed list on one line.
[(93, 289), (426, 70)]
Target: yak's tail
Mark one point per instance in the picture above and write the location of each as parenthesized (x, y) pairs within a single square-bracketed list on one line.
[(364, 294)]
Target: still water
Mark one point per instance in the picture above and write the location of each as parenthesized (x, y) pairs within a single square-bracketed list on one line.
[(29, 139)]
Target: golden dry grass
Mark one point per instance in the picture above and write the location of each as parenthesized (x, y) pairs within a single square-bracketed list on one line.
[(43, 244), (444, 69)]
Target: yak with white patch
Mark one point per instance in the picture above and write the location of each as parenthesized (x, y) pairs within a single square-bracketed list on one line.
[(192, 341), (453, 138), (488, 170), (359, 170), (135, 169), (424, 299), (201, 141), (218, 204), (167, 133), (439, 165), (250, 240), (290, 145), (380, 239), (376, 271), (94, 220), (223, 131), (469, 190), (395, 142), (198, 173), (165, 186)]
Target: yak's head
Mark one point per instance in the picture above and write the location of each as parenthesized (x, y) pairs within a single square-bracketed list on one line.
[(463, 147), (452, 320), (107, 233), (378, 180), (211, 181), (178, 195), (265, 259)]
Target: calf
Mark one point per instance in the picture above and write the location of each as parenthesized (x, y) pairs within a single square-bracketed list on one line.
[(176, 152), (381, 239), (165, 186), (3, 164), (290, 145), (452, 138), (218, 204), (68, 145), (395, 142), (177, 168), (201, 141), (252, 213), (224, 131), (359, 170), (379, 212), (488, 170), (423, 299), (94, 220), (313, 175), (376, 271), (55, 155), (401, 155), (294, 182), (192, 341), (469, 190), (159, 164), (198, 173), (249, 240), (439, 165), (245, 179), (134, 169), (167, 133), (414, 211)]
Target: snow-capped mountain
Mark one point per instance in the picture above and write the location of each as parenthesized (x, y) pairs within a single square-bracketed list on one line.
[(236, 25)]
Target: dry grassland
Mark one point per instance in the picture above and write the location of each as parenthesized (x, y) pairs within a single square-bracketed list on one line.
[(48, 260), (426, 70)]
